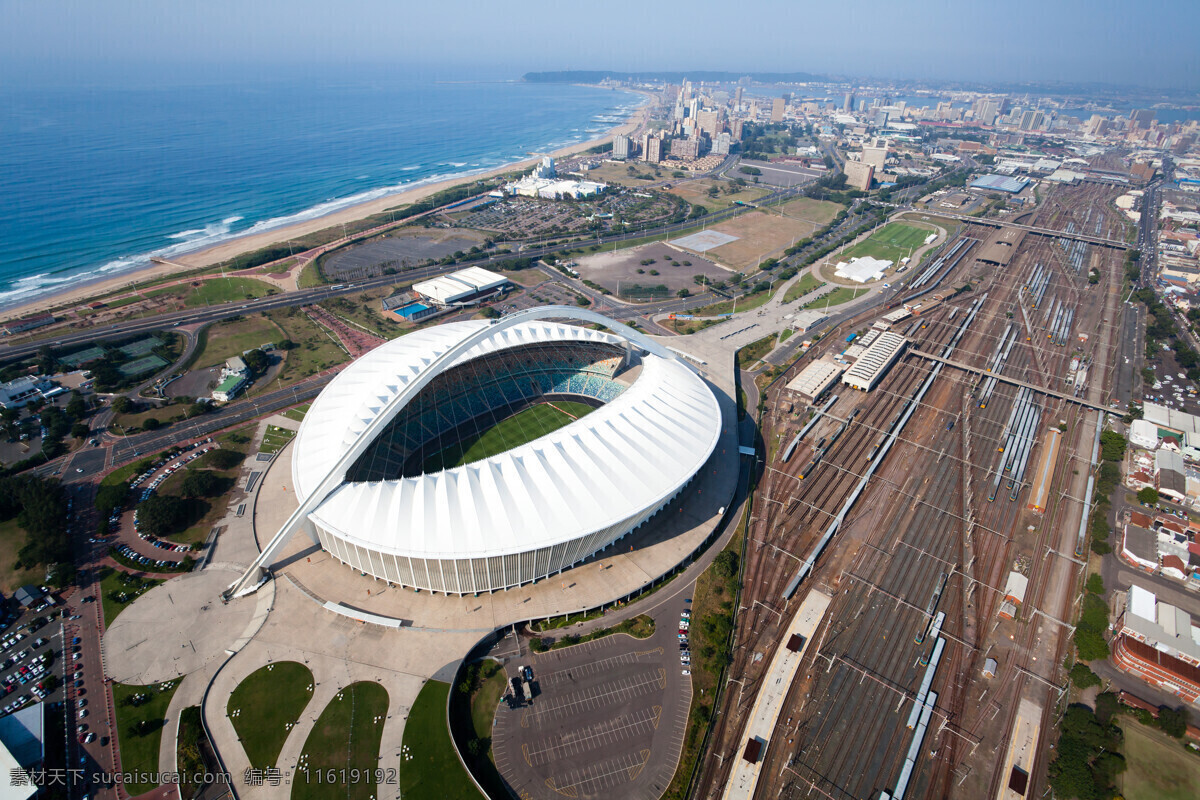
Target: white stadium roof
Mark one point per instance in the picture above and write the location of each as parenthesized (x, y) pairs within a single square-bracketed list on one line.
[(633, 453)]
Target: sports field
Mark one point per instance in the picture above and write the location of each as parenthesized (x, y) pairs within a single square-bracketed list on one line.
[(893, 242), (1158, 766), (494, 438)]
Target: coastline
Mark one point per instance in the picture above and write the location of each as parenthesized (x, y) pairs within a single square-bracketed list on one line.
[(226, 250)]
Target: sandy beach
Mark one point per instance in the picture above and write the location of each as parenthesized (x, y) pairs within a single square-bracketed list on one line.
[(233, 247)]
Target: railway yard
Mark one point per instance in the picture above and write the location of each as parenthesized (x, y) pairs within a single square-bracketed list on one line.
[(910, 506)]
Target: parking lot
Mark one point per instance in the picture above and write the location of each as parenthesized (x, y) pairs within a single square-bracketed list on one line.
[(30, 651), (154, 552), (606, 719)]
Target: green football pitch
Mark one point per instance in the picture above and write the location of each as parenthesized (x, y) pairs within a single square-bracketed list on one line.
[(524, 426), (893, 242)]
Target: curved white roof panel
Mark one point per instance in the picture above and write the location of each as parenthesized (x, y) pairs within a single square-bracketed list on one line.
[(627, 456)]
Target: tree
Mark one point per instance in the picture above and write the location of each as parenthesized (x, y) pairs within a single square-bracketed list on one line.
[(726, 564), (122, 405), (1095, 584), (201, 483), (1147, 496), (197, 409), (683, 293), (1173, 721), (161, 514), (150, 424), (257, 361), (1112, 446), (223, 459), (76, 407), (1083, 677), (80, 430)]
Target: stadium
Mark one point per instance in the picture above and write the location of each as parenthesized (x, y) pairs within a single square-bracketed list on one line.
[(477, 456)]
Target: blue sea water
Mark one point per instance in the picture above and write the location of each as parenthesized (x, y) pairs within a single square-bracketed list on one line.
[(97, 180)]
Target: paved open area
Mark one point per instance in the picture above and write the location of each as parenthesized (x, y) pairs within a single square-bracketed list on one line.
[(607, 719), (176, 628)]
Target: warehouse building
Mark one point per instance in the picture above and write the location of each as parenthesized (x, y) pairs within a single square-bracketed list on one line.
[(1000, 250), (461, 288), (1000, 183), (815, 379), (870, 368)]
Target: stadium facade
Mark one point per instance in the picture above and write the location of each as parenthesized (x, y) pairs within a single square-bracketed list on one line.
[(369, 461)]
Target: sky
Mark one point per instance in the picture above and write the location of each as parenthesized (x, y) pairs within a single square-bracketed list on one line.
[(1138, 42)]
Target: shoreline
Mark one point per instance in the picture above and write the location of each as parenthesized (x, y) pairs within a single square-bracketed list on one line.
[(77, 294)]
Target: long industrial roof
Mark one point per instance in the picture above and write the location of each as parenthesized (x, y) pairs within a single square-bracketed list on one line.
[(629, 455)]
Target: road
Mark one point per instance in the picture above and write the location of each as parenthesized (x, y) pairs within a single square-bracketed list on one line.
[(307, 296)]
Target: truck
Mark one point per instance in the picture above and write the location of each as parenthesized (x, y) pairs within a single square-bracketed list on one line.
[(527, 688)]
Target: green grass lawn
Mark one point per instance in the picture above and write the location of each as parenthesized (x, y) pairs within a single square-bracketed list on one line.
[(486, 701), (346, 737), (265, 705), (524, 426), (275, 438), (298, 412), (842, 294), (225, 290), (314, 350), (893, 242), (434, 771), (746, 303), (223, 340), (310, 276), (751, 353), (117, 582), (139, 749), (1158, 768), (807, 283), (12, 539)]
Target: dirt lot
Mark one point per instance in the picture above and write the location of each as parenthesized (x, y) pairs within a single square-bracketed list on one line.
[(405, 249), (760, 235), (621, 266)]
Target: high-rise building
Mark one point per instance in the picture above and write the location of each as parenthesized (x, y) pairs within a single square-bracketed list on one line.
[(694, 108), (1097, 125), (620, 149), (859, 175), (722, 143), (848, 102), (687, 149), (709, 120), (876, 156), (1031, 120), (737, 97), (777, 106), (735, 129), (988, 111), (1142, 117), (652, 148)]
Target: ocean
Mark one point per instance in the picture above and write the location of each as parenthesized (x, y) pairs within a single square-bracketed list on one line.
[(97, 180)]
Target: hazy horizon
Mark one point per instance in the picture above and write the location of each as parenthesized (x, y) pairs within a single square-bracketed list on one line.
[(1145, 45)]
